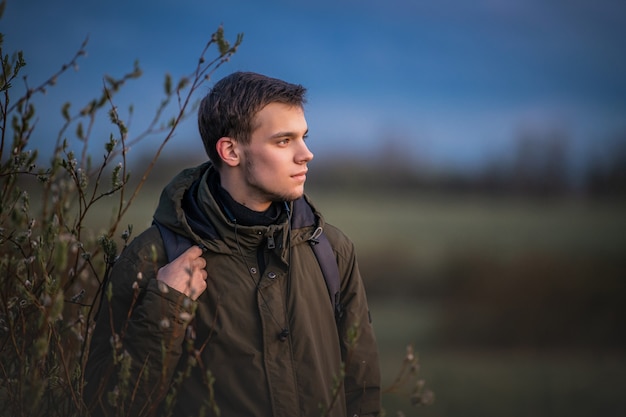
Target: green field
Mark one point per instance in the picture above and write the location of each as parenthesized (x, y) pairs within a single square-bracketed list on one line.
[(497, 382), (578, 241), (512, 305), (506, 226)]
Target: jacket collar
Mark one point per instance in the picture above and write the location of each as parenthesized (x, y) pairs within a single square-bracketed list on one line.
[(188, 207)]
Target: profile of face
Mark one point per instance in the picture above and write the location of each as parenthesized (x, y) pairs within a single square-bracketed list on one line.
[(272, 166)]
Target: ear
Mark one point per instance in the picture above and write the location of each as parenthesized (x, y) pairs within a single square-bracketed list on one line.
[(228, 150)]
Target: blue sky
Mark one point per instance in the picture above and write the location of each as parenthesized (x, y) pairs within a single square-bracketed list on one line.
[(447, 81)]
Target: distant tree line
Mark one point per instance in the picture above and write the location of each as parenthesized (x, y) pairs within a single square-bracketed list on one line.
[(540, 166)]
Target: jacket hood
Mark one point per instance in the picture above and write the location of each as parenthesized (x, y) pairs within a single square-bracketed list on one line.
[(188, 208)]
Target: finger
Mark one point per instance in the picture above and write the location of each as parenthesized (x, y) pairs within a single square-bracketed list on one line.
[(197, 264), (201, 287), (189, 255)]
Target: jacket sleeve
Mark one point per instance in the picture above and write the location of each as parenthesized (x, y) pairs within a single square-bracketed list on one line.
[(138, 337), (362, 383)]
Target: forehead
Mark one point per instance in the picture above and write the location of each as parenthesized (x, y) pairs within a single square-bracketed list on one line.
[(280, 116)]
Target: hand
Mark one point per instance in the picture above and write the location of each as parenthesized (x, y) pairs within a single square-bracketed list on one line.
[(186, 274)]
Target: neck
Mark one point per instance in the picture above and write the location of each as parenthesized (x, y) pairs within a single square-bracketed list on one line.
[(240, 194), (241, 213)]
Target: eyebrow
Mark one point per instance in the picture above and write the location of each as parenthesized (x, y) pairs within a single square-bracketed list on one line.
[(287, 134)]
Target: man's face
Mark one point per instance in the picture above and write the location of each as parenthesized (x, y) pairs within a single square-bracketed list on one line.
[(275, 160)]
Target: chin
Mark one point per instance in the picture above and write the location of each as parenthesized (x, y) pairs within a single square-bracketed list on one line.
[(293, 196)]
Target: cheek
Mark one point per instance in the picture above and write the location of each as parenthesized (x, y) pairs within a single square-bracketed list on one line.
[(263, 170), (270, 164)]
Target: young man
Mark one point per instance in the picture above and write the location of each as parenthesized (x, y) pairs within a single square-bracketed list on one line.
[(222, 303)]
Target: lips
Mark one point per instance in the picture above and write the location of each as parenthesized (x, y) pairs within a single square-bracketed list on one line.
[(300, 175)]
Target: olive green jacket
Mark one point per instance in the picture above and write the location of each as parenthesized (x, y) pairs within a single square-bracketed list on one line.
[(154, 351)]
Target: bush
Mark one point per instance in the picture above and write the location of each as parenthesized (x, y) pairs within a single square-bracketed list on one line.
[(52, 265)]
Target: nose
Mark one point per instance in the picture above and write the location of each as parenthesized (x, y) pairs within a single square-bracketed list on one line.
[(304, 155)]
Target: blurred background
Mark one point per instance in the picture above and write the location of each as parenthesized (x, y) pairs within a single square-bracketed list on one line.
[(474, 151)]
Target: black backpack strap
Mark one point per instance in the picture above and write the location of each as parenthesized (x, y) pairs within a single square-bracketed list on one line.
[(174, 243), (328, 264)]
